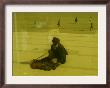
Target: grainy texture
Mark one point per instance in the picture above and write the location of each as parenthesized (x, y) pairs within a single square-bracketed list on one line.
[(2, 48), (26, 45)]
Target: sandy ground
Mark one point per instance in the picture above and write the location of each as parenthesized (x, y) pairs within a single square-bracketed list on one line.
[(81, 61)]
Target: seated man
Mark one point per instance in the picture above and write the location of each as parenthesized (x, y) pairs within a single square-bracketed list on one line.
[(57, 51)]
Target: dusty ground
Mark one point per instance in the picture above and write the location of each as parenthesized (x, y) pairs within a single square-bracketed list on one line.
[(82, 58)]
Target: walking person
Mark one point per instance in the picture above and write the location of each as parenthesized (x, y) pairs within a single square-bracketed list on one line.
[(91, 23), (59, 24), (91, 26), (76, 20)]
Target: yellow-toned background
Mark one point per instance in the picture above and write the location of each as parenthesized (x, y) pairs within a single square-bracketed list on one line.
[(32, 33)]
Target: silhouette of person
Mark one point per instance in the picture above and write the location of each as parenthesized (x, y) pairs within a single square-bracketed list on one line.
[(91, 23), (76, 20), (58, 24), (58, 51), (91, 26)]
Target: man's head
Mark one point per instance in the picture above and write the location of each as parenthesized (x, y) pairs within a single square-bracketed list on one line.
[(55, 40)]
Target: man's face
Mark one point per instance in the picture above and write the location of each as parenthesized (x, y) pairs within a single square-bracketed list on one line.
[(54, 43)]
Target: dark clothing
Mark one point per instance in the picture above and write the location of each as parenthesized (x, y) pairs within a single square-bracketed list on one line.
[(58, 23), (91, 27), (43, 64), (76, 20), (58, 52)]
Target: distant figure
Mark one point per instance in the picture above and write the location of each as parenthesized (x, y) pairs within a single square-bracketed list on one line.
[(37, 24), (58, 24), (76, 20), (91, 26), (91, 23), (57, 52)]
